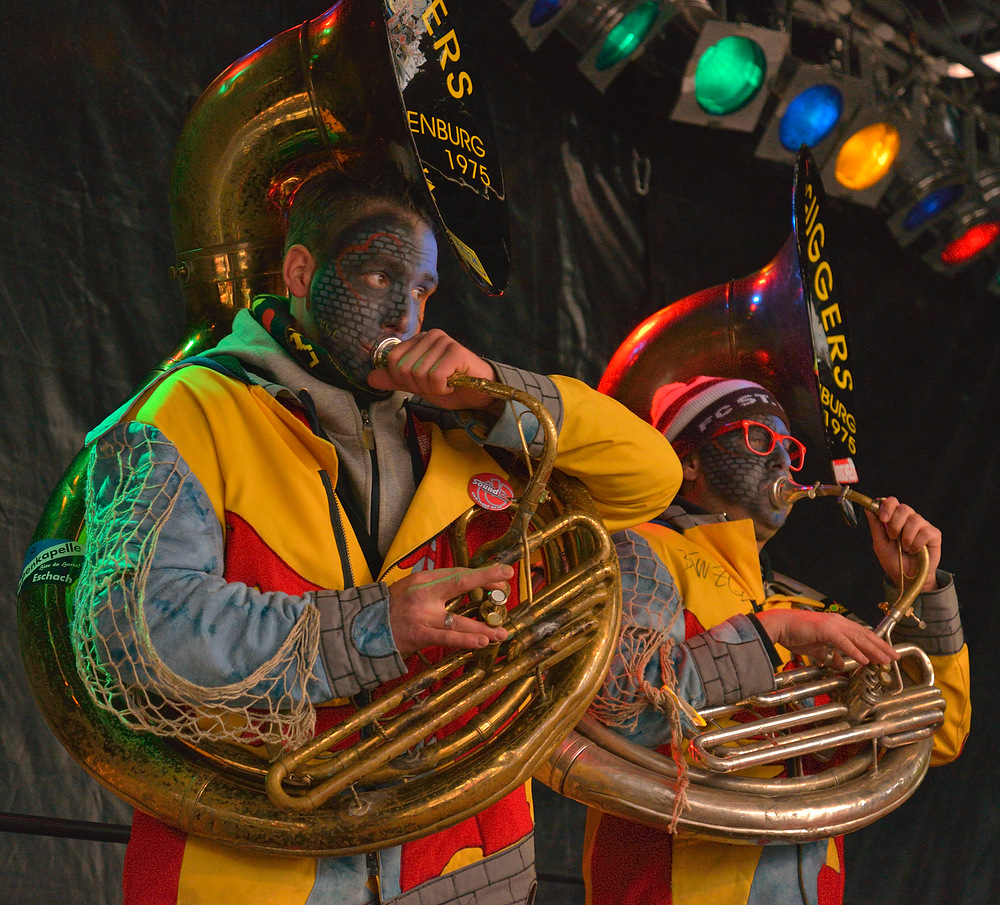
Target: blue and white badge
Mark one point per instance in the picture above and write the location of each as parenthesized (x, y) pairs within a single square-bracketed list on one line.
[(52, 561)]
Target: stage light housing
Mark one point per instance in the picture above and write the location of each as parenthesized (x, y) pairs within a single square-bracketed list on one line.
[(971, 229), (810, 111), (866, 151), (543, 10), (867, 156), (609, 34), (622, 33), (811, 117), (624, 39), (535, 20), (926, 185), (729, 75)]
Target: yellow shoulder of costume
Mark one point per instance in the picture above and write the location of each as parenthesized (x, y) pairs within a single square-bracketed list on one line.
[(217, 422), (711, 588), (629, 468), (183, 406)]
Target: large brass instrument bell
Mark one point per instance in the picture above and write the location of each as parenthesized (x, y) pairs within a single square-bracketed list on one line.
[(781, 327)]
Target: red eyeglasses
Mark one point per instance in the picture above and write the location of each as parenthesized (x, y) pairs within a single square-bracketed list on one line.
[(760, 440)]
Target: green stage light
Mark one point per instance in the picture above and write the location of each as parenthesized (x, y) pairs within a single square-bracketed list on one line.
[(618, 34), (625, 38), (729, 75), (609, 34)]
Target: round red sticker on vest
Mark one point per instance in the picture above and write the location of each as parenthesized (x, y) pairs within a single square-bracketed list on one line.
[(491, 491)]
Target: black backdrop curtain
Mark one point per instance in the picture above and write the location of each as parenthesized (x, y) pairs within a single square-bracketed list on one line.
[(95, 97)]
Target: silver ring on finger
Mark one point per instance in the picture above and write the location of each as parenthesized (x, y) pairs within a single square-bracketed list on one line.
[(448, 619)]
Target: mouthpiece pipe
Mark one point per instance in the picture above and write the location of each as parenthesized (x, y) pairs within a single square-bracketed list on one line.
[(785, 492), (380, 354)]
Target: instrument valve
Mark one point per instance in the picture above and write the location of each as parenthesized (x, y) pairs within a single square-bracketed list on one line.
[(884, 607), (493, 609)]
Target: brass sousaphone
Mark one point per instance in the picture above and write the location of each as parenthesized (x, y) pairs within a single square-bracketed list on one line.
[(781, 327), (353, 88)]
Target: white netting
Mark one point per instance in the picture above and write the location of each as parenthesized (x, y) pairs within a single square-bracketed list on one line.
[(115, 656), (651, 608)]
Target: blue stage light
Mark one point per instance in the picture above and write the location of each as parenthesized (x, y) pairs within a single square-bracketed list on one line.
[(543, 10), (931, 205), (811, 117)]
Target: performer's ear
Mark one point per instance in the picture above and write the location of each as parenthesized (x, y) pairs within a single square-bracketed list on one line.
[(298, 269), (691, 467)]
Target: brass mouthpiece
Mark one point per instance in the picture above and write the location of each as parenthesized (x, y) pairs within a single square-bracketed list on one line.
[(785, 492), (380, 354)]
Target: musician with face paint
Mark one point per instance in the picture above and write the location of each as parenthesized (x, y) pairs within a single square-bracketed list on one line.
[(706, 622), (276, 512)]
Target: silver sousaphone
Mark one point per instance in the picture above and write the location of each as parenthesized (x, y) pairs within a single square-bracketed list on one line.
[(784, 328)]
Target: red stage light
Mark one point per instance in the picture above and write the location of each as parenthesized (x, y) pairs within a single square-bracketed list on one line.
[(970, 243)]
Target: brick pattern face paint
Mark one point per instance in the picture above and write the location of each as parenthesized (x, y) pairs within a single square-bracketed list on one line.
[(741, 478), (373, 284)]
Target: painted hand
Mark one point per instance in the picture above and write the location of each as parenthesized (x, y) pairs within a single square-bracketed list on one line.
[(894, 522), (825, 637), (417, 614), (422, 365)]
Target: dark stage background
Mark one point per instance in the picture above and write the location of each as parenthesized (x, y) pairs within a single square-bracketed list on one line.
[(94, 98)]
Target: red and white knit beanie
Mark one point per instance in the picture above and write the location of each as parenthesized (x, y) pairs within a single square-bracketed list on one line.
[(688, 414)]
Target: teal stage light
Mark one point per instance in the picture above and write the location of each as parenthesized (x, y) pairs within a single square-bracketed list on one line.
[(729, 75), (618, 35), (609, 34), (627, 36)]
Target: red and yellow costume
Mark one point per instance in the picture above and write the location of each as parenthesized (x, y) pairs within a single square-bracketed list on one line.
[(716, 576), (260, 493)]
